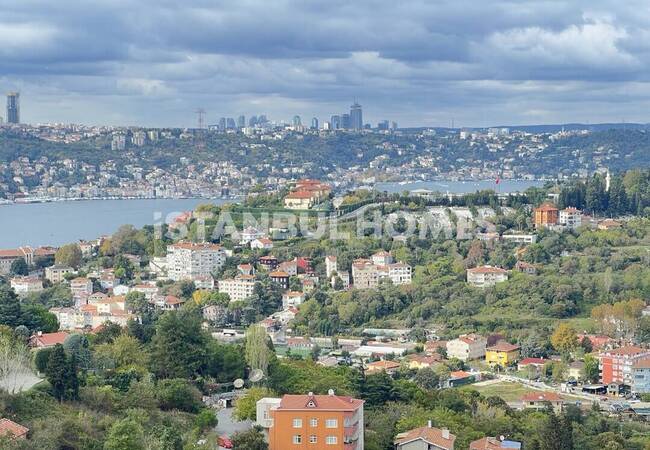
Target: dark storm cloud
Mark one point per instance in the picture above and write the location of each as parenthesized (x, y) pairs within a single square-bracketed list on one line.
[(420, 62)]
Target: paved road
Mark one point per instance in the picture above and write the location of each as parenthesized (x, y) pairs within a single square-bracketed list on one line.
[(228, 425)]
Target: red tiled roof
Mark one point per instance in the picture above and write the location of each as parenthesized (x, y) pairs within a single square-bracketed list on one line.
[(49, 339), (320, 402), (526, 361), (384, 364), (546, 207), (486, 443), (10, 427), (279, 274), (487, 269), (628, 350), (541, 397), (503, 347), (428, 434), (460, 374)]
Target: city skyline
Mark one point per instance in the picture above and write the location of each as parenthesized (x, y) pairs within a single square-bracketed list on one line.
[(474, 64)]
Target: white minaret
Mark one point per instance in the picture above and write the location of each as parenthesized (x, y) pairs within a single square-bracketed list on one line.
[(608, 180)]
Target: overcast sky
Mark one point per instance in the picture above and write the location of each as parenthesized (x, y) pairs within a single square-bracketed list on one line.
[(478, 62)]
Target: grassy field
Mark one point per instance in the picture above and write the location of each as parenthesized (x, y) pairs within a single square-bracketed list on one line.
[(510, 392)]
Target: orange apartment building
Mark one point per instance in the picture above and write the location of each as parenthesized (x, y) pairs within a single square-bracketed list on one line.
[(616, 365), (546, 215), (315, 422)]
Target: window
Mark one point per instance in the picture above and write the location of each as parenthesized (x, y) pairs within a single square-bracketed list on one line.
[(297, 439), (313, 423), (312, 439), (330, 440), (331, 423), (297, 423)]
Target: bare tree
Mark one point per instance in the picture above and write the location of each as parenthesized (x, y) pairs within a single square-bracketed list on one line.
[(15, 368)]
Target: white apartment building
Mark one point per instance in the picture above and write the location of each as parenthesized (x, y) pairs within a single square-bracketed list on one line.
[(366, 274), (188, 260), (81, 287), (520, 238), (570, 218), (56, 273), (26, 285), (399, 273), (484, 276), (331, 266), (238, 288), (382, 258), (467, 347)]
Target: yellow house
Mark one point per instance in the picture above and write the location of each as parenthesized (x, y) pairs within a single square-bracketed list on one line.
[(502, 354)]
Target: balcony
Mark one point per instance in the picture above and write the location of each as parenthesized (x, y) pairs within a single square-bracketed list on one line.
[(351, 432)]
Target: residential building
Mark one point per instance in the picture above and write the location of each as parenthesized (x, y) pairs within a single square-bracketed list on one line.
[(576, 370), (249, 234), (524, 267), (382, 258), (519, 238), (29, 254), (540, 400), (534, 366), (12, 430), (261, 244), (299, 200), (331, 266), (280, 277), (26, 285), (56, 273), (246, 269), (268, 262), (364, 274), (149, 290), (570, 218), (609, 224), (416, 361), (204, 282), (239, 288), (292, 298), (399, 273), (492, 443), (502, 354), (187, 260), (319, 422), (81, 287), (384, 365), (425, 438), (467, 347), (485, 276), (367, 274), (641, 376), (545, 215), (45, 340), (616, 365)]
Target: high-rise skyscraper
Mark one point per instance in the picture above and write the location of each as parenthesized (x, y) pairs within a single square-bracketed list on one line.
[(13, 107), (356, 117), (296, 121), (345, 121), (314, 123), (335, 122), (241, 122)]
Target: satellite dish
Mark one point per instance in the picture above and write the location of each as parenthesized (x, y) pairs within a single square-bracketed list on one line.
[(256, 375), (238, 383)]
